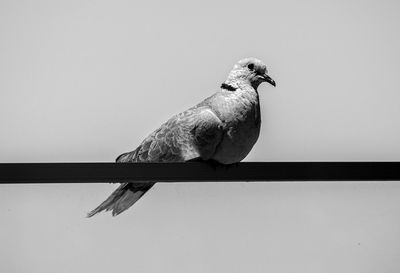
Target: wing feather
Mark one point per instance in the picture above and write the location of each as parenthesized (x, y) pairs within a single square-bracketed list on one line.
[(192, 134)]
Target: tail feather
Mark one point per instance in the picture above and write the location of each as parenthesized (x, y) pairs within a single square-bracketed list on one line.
[(122, 198)]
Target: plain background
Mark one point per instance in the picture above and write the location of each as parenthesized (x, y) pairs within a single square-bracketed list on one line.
[(84, 81)]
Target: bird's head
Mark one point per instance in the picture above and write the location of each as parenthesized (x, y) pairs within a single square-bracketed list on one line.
[(249, 70)]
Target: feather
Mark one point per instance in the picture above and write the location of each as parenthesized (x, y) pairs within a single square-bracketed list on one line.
[(122, 198)]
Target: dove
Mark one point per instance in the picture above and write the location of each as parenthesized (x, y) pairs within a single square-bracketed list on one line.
[(222, 129)]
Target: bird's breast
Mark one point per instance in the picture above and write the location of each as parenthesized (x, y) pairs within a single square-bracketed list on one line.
[(241, 116)]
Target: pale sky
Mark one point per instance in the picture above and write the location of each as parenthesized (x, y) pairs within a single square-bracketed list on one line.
[(83, 81)]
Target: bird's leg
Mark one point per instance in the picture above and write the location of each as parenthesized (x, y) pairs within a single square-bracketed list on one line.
[(232, 165), (210, 162), (215, 164)]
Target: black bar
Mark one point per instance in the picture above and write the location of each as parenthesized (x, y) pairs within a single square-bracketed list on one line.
[(196, 172)]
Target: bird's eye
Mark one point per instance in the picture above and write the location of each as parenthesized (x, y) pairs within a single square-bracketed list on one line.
[(250, 66)]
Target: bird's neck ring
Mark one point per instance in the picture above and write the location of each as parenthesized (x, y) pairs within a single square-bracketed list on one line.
[(228, 87)]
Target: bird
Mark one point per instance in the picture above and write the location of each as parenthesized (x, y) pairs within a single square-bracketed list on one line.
[(222, 129)]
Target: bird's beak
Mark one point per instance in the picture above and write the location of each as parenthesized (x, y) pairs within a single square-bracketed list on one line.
[(268, 79)]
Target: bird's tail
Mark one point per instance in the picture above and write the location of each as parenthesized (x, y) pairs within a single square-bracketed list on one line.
[(122, 198)]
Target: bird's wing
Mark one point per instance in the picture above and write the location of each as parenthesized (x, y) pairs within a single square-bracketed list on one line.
[(192, 134)]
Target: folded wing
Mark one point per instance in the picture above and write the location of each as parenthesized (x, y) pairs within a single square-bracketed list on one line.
[(193, 134)]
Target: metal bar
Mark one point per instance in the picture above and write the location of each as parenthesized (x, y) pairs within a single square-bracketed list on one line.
[(196, 172)]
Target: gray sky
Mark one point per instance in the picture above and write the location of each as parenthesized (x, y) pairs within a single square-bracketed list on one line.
[(88, 80)]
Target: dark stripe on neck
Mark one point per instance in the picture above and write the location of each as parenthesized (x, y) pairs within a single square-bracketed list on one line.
[(228, 87)]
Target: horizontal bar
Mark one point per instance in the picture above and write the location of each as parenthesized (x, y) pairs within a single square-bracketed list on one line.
[(197, 171)]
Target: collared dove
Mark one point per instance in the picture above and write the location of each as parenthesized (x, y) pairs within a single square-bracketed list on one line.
[(223, 128)]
